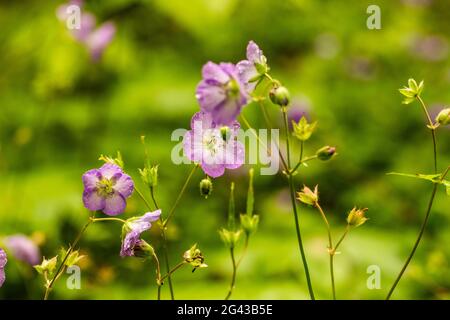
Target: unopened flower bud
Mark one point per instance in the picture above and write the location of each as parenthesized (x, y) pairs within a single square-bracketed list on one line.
[(118, 161), (412, 91), (225, 133), (443, 118), (280, 95), (143, 250), (230, 238), (249, 223), (356, 217), (325, 153), (150, 175), (206, 187), (307, 196)]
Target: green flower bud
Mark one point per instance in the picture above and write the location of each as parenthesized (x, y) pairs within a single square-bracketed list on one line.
[(225, 133), (307, 196), (303, 130), (280, 95), (443, 118), (356, 217), (206, 187), (143, 250), (194, 257), (230, 238), (150, 176), (325, 153), (249, 223)]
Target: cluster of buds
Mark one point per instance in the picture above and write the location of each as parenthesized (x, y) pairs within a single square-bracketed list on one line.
[(195, 258)]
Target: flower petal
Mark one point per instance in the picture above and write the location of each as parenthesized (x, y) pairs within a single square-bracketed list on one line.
[(93, 201), (128, 243), (3, 258), (99, 39), (114, 204), (90, 179), (212, 71), (234, 155), (151, 216), (124, 185), (254, 53), (226, 112), (2, 277), (108, 170), (213, 170), (209, 95)]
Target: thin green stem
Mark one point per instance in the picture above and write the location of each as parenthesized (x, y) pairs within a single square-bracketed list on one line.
[(108, 219), (141, 195), (158, 274), (269, 152), (430, 203), (331, 250), (286, 130), (244, 251), (164, 245), (180, 195), (299, 237), (303, 161), (294, 207), (69, 251), (178, 266), (233, 277), (433, 131), (416, 244)]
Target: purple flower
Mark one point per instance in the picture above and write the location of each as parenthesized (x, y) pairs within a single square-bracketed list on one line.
[(3, 261), (214, 147), (132, 230), (253, 69), (99, 39), (106, 189), (221, 92), (95, 39), (23, 249)]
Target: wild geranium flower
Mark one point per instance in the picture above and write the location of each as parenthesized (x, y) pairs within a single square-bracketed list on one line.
[(3, 261), (214, 147), (107, 189), (253, 69), (221, 92), (23, 249), (95, 39), (131, 232)]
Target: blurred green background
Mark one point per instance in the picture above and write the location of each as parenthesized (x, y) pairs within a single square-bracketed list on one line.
[(60, 111)]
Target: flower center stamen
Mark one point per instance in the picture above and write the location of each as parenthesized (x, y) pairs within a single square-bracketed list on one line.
[(105, 187)]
